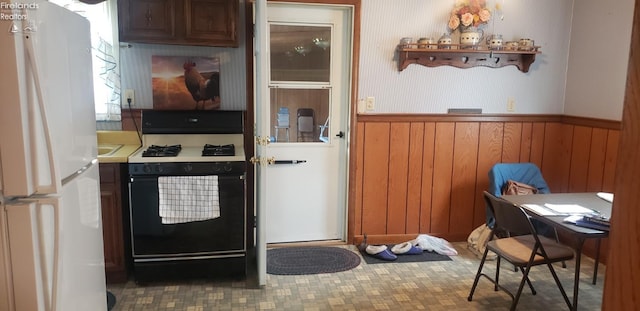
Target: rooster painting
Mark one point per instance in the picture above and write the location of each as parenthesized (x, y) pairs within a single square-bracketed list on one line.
[(201, 88), (178, 85)]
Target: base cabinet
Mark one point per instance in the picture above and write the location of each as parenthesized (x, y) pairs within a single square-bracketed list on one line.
[(112, 222), (182, 22)]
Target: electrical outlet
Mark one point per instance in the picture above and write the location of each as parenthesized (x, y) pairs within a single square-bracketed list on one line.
[(511, 104), (129, 94), (370, 103)]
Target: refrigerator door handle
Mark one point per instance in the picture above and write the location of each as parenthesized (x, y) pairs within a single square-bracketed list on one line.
[(54, 202), (30, 257), (79, 171), (35, 71)]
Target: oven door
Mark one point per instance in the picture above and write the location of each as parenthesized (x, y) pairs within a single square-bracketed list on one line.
[(222, 235)]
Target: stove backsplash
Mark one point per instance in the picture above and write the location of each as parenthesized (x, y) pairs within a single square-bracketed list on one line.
[(135, 64)]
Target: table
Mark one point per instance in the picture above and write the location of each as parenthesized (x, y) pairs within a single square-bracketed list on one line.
[(579, 234)]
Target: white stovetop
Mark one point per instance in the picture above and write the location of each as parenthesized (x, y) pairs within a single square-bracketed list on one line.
[(192, 145)]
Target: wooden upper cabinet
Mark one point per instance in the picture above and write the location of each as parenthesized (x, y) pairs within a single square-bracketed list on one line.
[(147, 20), (182, 22), (212, 21)]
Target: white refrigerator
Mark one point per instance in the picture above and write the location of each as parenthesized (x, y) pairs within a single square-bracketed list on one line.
[(51, 247)]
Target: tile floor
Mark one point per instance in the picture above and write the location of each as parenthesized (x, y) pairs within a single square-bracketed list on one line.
[(441, 285)]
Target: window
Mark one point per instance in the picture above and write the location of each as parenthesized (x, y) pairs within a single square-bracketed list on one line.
[(106, 71)]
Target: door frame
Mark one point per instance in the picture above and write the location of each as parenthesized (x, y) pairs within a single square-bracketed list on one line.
[(252, 275)]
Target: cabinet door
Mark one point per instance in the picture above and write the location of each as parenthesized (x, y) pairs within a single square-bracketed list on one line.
[(110, 199), (212, 22), (147, 20)]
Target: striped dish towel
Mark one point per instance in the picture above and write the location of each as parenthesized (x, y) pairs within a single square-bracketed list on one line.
[(188, 198)]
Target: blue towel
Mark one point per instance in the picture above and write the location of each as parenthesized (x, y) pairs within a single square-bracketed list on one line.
[(527, 173)]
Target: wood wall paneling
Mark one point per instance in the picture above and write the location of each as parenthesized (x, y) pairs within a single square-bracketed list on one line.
[(525, 142), (608, 180), (511, 144), (358, 172), (415, 174), (580, 154), (414, 177), (597, 155), (489, 153), (556, 156), (537, 143), (375, 178), (442, 169), (399, 142), (426, 194), (463, 177)]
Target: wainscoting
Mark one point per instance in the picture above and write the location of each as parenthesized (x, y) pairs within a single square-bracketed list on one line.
[(413, 174), (426, 173)]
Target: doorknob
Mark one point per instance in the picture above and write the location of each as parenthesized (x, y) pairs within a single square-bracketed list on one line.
[(340, 134)]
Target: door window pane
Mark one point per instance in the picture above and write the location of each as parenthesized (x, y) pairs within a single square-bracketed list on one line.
[(300, 53), (299, 115)]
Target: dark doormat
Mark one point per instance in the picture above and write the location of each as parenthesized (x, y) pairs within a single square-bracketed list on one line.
[(111, 300), (424, 256), (310, 260)]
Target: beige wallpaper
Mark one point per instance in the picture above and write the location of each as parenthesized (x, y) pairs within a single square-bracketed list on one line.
[(598, 58), (419, 89)]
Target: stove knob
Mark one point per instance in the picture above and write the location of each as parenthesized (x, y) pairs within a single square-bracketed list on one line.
[(147, 169), (227, 167), (216, 167), (188, 168), (159, 169)]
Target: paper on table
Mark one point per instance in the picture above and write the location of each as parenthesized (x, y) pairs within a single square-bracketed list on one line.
[(606, 196), (538, 209), (569, 209), (573, 218)]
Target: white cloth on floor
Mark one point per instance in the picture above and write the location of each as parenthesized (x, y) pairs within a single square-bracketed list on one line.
[(188, 198), (434, 244)]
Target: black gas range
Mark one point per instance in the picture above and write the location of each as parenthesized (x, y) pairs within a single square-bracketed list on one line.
[(187, 196), (176, 142)]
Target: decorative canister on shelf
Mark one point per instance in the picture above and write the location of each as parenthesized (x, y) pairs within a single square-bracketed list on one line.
[(405, 42), (495, 42), (445, 41), (426, 43), (511, 45), (470, 37), (526, 44)]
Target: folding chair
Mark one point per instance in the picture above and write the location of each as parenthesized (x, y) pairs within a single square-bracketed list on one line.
[(527, 173), (524, 251), (306, 123)]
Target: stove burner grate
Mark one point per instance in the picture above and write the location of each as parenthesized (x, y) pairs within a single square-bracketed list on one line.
[(218, 150), (162, 151)]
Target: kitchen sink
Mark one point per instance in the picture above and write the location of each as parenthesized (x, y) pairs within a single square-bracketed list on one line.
[(108, 149)]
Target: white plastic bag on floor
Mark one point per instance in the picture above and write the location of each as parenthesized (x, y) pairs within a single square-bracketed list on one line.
[(435, 244)]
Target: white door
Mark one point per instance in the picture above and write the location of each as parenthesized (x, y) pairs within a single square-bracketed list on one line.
[(305, 113)]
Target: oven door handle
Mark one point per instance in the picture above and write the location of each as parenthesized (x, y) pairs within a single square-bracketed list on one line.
[(289, 161)]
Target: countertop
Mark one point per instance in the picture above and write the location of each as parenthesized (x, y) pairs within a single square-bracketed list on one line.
[(126, 142)]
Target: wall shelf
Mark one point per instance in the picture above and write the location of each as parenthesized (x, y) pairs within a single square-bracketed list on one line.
[(465, 57)]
